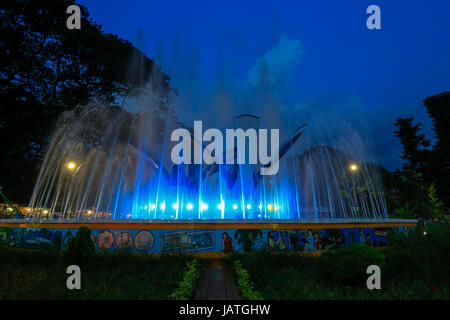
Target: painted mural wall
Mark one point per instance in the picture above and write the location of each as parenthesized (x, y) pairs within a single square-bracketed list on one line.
[(227, 240)]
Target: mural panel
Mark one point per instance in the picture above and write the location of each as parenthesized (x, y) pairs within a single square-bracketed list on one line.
[(143, 241)]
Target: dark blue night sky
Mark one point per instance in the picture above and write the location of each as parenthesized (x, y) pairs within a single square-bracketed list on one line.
[(322, 51)]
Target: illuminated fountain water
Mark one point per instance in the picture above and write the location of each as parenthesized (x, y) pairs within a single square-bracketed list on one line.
[(105, 162)]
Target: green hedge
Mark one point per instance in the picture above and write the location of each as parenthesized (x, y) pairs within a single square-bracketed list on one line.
[(186, 287), (245, 285), (348, 265)]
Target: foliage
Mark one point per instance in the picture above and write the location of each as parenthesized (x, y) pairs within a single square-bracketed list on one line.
[(422, 254), (187, 286), (245, 285), (46, 69), (423, 181), (290, 276), (433, 206), (348, 265), (403, 212), (81, 248), (247, 238), (37, 274)]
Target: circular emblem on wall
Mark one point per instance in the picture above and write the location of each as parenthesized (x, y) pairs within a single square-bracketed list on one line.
[(124, 241), (105, 240), (143, 240)]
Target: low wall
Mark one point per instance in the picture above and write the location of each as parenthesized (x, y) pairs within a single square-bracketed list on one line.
[(204, 237)]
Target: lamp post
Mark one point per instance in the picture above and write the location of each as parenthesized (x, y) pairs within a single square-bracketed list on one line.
[(354, 168), (73, 167)]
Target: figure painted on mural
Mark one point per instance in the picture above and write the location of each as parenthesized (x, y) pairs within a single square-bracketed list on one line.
[(310, 239), (306, 248), (274, 245), (362, 238), (368, 240), (318, 243), (227, 243)]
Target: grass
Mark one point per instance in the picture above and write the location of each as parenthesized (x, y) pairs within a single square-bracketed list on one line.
[(414, 266), (35, 274), (294, 277)]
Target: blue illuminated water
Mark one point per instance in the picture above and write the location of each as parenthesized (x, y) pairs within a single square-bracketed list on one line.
[(122, 170)]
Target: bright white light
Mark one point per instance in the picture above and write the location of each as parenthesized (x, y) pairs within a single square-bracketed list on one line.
[(260, 207), (175, 206), (45, 211), (189, 206), (89, 211), (270, 207), (152, 206), (221, 206), (71, 165), (204, 206), (249, 207), (145, 207), (162, 206), (235, 206)]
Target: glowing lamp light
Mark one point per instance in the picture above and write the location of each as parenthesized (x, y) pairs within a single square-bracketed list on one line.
[(354, 167), (89, 212), (204, 206), (270, 207), (162, 206), (235, 206), (249, 206), (145, 207), (175, 206), (189, 206), (221, 206), (45, 211), (71, 165), (152, 206), (260, 207)]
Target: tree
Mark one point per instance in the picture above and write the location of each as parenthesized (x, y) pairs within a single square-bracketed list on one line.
[(46, 69), (422, 183), (438, 108)]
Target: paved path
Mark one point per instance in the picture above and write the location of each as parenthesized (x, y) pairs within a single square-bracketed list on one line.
[(217, 284)]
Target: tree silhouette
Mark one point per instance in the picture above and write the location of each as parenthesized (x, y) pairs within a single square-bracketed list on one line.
[(46, 69)]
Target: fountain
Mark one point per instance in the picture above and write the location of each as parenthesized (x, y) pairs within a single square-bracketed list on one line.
[(110, 169)]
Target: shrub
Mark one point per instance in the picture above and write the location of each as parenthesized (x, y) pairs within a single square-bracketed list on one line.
[(187, 286), (81, 248), (348, 265), (246, 287), (423, 254)]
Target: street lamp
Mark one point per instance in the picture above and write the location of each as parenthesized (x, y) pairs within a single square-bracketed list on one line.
[(354, 168), (71, 165)]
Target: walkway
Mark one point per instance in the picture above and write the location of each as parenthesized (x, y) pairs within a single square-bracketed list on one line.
[(217, 284)]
